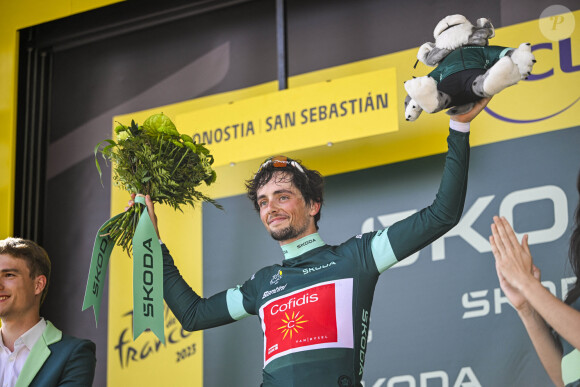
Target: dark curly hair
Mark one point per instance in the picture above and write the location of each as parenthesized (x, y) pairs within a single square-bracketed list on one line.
[(574, 252), (309, 182), (35, 256)]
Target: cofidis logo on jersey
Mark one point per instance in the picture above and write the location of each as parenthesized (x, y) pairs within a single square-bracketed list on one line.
[(314, 317)]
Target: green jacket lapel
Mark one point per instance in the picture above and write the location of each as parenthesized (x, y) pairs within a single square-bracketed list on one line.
[(38, 355)]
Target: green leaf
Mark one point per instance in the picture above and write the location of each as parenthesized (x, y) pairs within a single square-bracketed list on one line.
[(134, 128), (111, 144)]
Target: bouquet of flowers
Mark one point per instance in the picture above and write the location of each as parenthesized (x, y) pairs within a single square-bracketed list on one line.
[(154, 159)]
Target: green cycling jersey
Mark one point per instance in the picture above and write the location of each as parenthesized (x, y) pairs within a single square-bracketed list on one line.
[(314, 307)]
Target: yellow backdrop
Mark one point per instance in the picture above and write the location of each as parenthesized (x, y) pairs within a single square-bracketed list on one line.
[(17, 15)]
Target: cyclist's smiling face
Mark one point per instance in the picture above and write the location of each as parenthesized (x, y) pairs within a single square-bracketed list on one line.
[(284, 211)]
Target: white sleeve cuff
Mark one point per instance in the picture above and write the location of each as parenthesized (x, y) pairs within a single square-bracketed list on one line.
[(459, 126)]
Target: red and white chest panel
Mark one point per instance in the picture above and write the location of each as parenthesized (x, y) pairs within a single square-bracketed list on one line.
[(314, 317)]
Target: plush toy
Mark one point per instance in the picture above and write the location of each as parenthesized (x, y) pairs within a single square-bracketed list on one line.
[(467, 68)]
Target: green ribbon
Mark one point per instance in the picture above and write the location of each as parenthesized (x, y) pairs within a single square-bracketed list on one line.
[(98, 269), (147, 275), (147, 278)]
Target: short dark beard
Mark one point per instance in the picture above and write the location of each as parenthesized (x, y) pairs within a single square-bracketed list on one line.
[(285, 234), (289, 232)]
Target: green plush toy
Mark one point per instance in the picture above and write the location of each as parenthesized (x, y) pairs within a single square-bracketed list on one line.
[(467, 68)]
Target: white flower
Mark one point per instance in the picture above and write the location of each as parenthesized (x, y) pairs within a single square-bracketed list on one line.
[(122, 136)]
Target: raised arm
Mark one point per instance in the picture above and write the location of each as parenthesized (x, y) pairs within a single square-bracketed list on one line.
[(191, 310), (420, 229)]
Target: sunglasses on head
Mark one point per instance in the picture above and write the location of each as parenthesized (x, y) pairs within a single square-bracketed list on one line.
[(281, 162)]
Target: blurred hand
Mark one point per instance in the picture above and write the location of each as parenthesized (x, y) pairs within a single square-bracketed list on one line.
[(470, 115), (513, 260), (150, 209), (515, 297)]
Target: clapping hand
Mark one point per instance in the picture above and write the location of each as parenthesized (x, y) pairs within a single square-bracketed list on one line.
[(513, 261)]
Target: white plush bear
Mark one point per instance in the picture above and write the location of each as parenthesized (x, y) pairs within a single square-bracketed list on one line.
[(467, 68)]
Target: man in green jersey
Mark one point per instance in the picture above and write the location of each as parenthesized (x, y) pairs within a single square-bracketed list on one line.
[(314, 307)]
